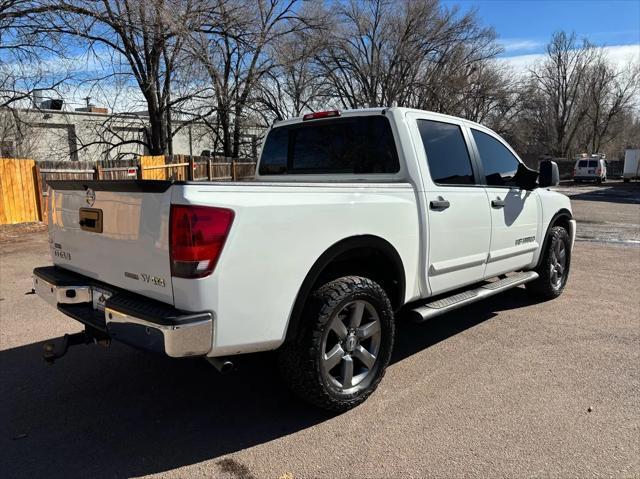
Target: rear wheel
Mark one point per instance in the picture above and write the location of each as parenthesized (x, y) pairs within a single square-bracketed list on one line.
[(553, 270), (345, 345)]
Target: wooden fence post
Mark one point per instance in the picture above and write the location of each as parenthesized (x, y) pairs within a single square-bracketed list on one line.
[(190, 174), (139, 172), (209, 169), (38, 180), (97, 173), (233, 170)]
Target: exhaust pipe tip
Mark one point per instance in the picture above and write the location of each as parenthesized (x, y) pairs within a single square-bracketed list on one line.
[(223, 365)]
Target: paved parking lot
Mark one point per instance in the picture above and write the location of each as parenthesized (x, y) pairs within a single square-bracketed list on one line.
[(507, 387)]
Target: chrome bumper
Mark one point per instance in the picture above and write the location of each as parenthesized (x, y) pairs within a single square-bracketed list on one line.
[(178, 340), (127, 317), (54, 294), (573, 232)]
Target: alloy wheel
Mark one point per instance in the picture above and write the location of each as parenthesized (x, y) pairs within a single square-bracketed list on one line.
[(558, 263), (350, 346)]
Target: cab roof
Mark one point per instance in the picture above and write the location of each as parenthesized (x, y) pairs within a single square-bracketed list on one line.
[(374, 111)]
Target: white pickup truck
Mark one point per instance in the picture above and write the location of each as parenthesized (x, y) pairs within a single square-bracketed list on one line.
[(354, 219)]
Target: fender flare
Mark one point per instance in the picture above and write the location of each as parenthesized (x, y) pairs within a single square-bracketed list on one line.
[(326, 258), (562, 213)]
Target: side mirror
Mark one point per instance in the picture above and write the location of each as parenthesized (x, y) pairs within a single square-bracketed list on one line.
[(549, 174)]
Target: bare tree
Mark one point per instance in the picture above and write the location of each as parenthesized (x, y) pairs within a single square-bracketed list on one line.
[(18, 137), (560, 81), (406, 53), (144, 40), (22, 51), (609, 93), (233, 51), (293, 86)]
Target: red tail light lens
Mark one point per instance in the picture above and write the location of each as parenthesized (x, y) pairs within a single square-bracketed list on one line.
[(197, 235), (321, 114)]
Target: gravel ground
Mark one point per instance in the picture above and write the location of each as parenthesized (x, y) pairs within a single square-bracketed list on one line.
[(503, 388), (606, 213), (9, 233)]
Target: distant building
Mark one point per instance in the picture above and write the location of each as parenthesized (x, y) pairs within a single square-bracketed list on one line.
[(90, 133)]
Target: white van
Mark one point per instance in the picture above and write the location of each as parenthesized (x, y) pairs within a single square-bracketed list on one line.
[(631, 170), (590, 169)]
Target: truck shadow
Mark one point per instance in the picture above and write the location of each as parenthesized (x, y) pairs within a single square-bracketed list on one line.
[(120, 412)]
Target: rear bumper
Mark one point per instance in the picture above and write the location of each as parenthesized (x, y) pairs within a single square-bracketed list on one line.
[(127, 317)]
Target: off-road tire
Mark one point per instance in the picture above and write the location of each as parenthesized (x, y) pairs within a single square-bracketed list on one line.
[(544, 287), (300, 361)]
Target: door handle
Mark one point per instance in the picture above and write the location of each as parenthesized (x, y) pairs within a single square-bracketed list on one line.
[(439, 204), (497, 203)]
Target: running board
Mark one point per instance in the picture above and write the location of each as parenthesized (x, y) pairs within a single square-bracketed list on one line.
[(444, 305)]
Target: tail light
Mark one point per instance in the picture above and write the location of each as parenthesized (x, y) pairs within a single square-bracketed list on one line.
[(197, 235), (574, 172), (598, 171), (321, 114)]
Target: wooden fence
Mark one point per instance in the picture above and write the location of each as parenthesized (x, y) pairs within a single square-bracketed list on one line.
[(24, 183), (20, 191), (194, 168)]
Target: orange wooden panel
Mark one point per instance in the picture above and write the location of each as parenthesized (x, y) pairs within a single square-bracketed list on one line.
[(29, 189), (156, 173), (22, 200), (27, 196), (18, 201), (9, 193)]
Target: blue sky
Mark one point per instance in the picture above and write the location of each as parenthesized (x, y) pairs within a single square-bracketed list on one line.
[(525, 26)]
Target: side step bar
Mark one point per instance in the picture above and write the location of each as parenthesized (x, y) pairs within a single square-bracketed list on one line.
[(444, 305)]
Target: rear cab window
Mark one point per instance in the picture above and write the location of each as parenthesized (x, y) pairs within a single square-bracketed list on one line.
[(447, 155), (593, 163), (348, 145), (582, 164)]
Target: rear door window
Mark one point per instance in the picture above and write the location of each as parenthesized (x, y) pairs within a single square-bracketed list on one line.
[(356, 145), (582, 164), (447, 154), (593, 163)]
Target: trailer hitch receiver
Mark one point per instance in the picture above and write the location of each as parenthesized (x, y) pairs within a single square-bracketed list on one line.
[(88, 336)]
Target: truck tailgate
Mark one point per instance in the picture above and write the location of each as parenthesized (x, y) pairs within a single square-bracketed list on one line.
[(114, 231)]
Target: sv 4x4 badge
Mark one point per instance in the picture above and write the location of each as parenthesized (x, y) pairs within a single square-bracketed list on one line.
[(147, 278)]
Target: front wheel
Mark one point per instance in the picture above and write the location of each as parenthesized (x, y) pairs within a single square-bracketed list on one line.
[(553, 270), (344, 347)]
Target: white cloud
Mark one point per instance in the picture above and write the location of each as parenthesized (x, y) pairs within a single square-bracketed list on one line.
[(511, 45), (620, 55)]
